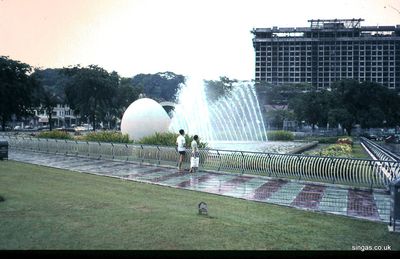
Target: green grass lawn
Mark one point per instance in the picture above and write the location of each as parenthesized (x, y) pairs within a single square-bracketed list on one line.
[(359, 152), (47, 208)]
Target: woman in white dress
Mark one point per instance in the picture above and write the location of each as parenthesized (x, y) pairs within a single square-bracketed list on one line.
[(194, 159)]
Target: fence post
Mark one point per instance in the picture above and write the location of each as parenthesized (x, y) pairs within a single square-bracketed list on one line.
[(127, 157), (100, 150), (141, 146), (158, 155), (241, 152), (30, 140), (374, 175), (220, 160), (270, 171), (299, 158), (332, 162), (56, 146)]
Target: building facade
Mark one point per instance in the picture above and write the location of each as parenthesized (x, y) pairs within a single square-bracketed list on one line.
[(327, 51), (63, 116)]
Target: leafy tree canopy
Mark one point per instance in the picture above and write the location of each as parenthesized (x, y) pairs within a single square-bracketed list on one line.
[(125, 94), (349, 102), (90, 91), (161, 86), (280, 94), (53, 81), (367, 103), (277, 117), (216, 89), (17, 88), (311, 107)]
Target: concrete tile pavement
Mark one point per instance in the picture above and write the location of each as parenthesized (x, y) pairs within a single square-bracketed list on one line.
[(357, 203)]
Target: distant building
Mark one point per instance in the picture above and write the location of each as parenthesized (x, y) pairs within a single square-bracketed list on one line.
[(327, 51), (63, 116)]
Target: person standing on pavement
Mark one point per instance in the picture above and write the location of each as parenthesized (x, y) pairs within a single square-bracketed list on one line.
[(181, 142), (194, 159)]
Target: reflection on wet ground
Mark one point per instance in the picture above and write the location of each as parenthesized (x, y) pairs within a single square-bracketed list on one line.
[(366, 204)]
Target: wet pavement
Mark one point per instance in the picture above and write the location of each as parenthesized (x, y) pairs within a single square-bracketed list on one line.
[(328, 198)]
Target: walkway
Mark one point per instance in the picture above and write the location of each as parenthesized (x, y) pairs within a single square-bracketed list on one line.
[(364, 204)]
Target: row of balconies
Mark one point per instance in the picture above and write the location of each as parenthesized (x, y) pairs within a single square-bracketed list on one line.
[(337, 47), (327, 65), (321, 81), (327, 75), (336, 43), (324, 77), (308, 54)]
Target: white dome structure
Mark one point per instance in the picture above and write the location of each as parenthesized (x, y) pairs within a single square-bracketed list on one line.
[(144, 117)]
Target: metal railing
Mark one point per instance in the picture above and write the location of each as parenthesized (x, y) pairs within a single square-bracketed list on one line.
[(378, 151), (348, 171)]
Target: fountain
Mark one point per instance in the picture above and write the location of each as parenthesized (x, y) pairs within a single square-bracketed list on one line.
[(235, 118), (233, 122)]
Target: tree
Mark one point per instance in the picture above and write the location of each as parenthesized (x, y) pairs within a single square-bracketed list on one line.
[(16, 90), (219, 88), (277, 117), (90, 91), (312, 107), (125, 94), (53, 80), (341, 116), (368, 104), (48, 101), (161, 86), (51, 90), (280, 94), (390, 106), (380, 105)]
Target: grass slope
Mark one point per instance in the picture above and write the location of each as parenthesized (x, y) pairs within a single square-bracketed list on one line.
[(47, 208)]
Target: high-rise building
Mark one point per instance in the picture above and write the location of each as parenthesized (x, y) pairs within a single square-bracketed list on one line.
[(327, 51)]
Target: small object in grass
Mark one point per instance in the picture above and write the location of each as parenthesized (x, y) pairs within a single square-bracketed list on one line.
[(1, 198), (203, 208)]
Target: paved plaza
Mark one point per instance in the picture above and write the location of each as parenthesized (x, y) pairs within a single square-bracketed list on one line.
[(359, 203)]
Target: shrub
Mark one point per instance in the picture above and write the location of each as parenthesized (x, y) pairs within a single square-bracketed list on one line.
[(167, 139), (107, 136), (55, 134), (162, 139), (336, 150), (345, 140), (327, 140), (280, 135), (79, 138), (189, 140)]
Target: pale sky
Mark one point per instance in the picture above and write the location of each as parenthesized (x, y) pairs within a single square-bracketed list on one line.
[(207, 38)]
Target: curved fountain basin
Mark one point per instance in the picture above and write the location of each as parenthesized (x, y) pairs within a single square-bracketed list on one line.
[(280, 147)]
